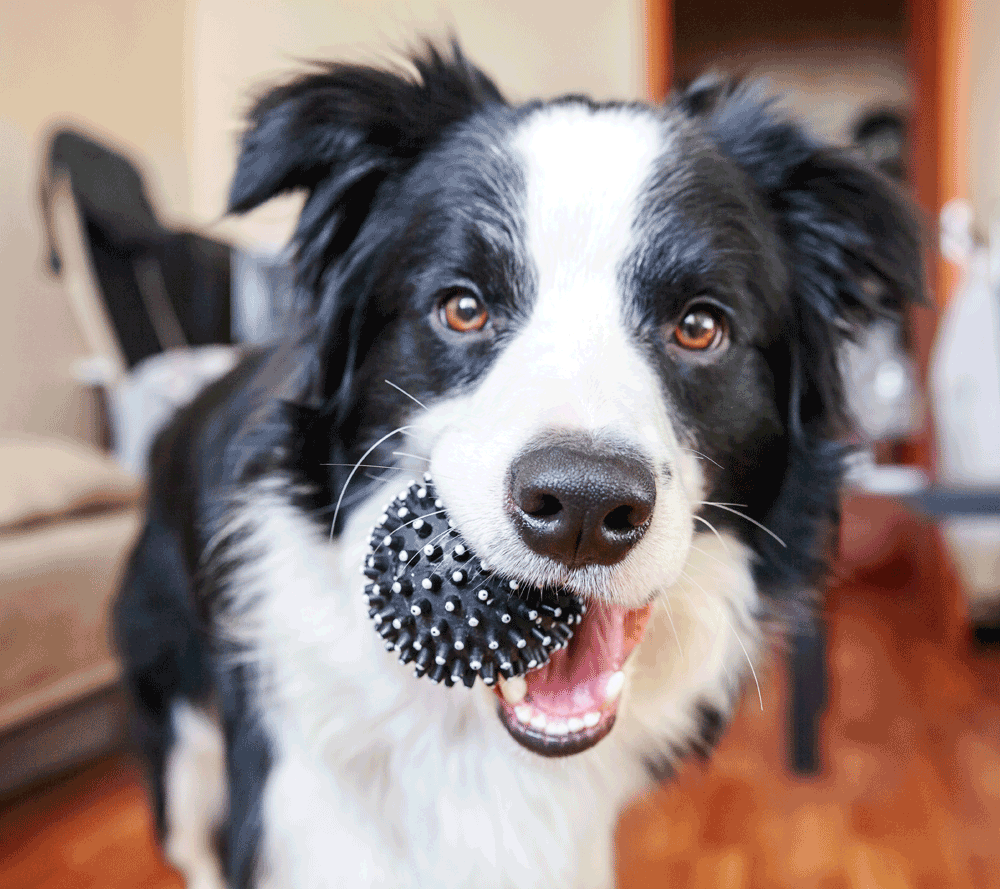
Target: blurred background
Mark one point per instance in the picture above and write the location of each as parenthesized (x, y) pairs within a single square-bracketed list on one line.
[(124, 288)]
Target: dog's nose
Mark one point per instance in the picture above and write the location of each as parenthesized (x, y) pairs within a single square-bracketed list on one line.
[(580, 505)]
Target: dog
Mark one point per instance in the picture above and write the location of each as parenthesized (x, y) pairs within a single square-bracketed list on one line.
[(610, 333)]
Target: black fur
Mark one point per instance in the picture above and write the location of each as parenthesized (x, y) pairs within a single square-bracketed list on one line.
[(796, 244)]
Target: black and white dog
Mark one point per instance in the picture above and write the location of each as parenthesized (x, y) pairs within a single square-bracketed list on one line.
[(610, 332)]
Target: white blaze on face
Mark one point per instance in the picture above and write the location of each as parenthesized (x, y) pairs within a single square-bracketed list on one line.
[(574, 367)]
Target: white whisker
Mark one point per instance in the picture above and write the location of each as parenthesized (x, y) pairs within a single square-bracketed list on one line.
[(736, 636), (703, 456), (405, 524), (364, 466), (716, 533), (340, 499), (760, 697), (728, 508), (407, 394), (690, 579), (414, 456), (673, 626), (433, 540)]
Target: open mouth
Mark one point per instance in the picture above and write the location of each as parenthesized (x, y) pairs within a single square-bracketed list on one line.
[(555, 662), (571, 703)]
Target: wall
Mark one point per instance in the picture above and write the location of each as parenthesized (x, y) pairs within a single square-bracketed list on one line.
[(984, 113), (530, 47), (116, 64)]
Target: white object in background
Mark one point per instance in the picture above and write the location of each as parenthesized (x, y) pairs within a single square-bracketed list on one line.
[(964, 382), (863, 474), (263, 290), (142, 401), (882, 392)]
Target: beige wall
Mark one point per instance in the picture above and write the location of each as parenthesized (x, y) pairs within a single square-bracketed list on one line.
[(984, 112), (530, 47), (116, 64)]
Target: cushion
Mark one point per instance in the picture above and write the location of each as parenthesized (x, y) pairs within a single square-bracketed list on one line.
[(44, 479)]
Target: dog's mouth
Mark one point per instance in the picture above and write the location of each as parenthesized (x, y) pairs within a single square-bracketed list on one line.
[(571, 703)]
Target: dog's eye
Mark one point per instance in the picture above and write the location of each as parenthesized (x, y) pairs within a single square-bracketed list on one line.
[(701, 328), (463, 312)]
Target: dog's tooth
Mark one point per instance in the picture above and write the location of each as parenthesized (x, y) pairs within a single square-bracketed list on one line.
[(524, 713), (538, 721), (557, 727), (574, 724), (614, 687), (514, 690), (591, 719)]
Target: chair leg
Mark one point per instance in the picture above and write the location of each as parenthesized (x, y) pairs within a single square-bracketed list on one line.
[(807, 669)]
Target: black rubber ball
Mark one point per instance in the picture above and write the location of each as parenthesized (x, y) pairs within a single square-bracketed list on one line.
[(441, 607)]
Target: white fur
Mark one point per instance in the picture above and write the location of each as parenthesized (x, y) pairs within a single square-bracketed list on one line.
[(195, 787)]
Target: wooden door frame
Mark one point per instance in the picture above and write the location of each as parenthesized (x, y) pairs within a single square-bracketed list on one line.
[(659, 43)]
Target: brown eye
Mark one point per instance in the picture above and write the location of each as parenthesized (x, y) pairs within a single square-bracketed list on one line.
[(464, 313), (700, 329)]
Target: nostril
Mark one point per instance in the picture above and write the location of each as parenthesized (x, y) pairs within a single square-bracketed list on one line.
[(621, 520), (544, 506), (579, 504)]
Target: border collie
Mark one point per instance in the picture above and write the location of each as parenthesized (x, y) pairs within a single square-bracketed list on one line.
[(610, 332)]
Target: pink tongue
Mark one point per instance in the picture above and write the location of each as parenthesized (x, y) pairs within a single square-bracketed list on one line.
[(574, 680)]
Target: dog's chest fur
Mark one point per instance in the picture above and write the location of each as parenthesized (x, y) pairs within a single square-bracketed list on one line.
[(387, 781)]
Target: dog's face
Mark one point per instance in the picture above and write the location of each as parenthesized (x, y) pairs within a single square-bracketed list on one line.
[(615, 327)]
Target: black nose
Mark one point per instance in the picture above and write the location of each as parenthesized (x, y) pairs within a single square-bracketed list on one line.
[(580, 505)]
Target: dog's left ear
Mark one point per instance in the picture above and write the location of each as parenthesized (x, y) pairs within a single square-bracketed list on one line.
[(851, 238), (339, 132), (852, 247)]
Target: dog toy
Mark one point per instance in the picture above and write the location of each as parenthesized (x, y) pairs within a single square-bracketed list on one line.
[(438, 605)]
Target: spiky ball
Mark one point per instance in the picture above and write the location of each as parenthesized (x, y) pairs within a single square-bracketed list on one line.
[(444, 609)]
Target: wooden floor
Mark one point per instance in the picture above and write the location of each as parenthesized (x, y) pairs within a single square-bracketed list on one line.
[(909, 797)]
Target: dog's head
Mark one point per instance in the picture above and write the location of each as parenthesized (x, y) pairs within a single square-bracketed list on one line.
[(616, 327)]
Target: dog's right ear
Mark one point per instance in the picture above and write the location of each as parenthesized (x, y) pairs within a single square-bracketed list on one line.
[(340, 131)]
